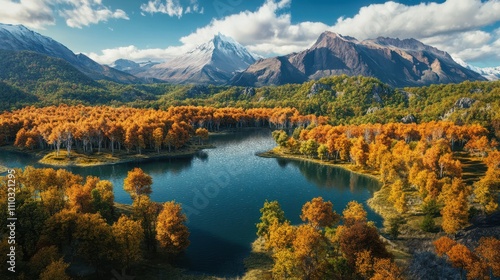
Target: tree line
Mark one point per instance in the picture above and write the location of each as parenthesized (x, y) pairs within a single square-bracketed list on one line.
[(415, 162), (344, 99), (328, 245), (92, 129), (320, 248), (64, 218)]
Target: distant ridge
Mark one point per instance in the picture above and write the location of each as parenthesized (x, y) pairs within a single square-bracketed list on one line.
[(396, 62)]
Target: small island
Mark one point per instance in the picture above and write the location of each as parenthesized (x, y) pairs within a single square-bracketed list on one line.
[(104, 158)]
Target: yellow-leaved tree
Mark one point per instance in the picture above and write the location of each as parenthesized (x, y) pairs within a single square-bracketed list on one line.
[(171, 232), (128, 235), (137, 183), (55, 270)]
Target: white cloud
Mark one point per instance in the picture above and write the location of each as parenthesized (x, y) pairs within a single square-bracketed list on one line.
[(473, 46), (86, 12), (265, 31), (420, 21), (32, 13), (455, 26), (41, 13), (108, 56), (173, 8)]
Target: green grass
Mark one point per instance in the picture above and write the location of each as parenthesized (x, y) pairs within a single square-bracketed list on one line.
[(77, 158), (259, 263)]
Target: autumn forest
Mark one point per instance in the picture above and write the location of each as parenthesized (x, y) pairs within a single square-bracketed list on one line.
[(437, 161)]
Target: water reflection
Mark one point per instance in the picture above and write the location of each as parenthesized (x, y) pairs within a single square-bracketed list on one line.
[(324, 176), (223, 229), (212, 244)]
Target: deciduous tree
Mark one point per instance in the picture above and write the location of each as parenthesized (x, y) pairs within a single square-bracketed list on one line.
[(94, 239), (319, 213), (128, 235), (310, 252), (359, 237), (55, 270), (359, 152), (271, 212), (443, 245), (455, 213), (281, 236), (386, 269), (353, 213), (489, 251), (202, 134), (147, 212), (42, 258), (171, 232), (137, 183)]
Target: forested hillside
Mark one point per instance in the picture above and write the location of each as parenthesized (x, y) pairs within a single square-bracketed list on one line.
[(345, 100)]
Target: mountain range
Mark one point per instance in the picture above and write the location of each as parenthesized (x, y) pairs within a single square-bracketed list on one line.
[(19, 38), (393, 61), (222, 60), (490, 73)]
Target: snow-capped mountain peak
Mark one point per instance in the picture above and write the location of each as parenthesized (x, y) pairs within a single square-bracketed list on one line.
[(225, 43), (214, 61), (19, 38), (490, 73)]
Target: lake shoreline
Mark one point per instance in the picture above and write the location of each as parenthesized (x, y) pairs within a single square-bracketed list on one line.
[(379, 203), (276, 153), (77, 159), (411, 236), (50, 158)]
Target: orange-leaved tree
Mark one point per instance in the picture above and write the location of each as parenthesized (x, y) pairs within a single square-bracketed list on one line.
[(171, 232), (137, 183), (128, 235), (319, 213)]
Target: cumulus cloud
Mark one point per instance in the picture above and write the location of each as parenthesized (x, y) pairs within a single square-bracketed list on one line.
[(419, 21), (81, 13), (41, 13), (266, 31), (455, 26), (32, 13), (173, 8)]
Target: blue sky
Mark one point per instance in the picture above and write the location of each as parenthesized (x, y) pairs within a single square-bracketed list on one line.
[(160, 29)]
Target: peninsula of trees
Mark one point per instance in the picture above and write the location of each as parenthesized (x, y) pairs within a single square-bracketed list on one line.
[(96, 129)]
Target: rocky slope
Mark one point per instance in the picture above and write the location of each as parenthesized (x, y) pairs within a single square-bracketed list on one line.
[(20, 38), (214, 62), (397, 62)]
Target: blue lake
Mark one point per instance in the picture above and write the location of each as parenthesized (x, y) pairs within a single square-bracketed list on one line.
[(222, 190)]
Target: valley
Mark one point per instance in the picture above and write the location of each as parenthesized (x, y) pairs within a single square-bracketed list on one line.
[(315, 156)]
